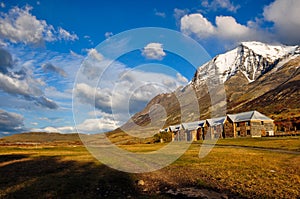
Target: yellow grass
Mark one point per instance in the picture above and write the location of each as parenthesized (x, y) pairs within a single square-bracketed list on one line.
[(71, 172)]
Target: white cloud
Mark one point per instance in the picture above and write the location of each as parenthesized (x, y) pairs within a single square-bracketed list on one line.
[(154, 51), (75, 54), (2, 5), (108, 35), (181, 78), (179, 13), (100, 98), (20, 81), (20, 26), (49, 67), (53, 93), (159, 14), (226, 29), (196, 24), (65, 35), (285, 15), (15, 86), (97, 125), (95, 54), (235, 32), (51, 129), (220, 4)]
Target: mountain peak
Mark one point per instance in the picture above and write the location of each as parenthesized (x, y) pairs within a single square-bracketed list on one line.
[(252, 59), (269, 51)]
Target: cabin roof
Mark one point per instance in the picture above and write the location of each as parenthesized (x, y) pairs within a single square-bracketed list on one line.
[(175, 127), (216, 121), (192, 125), (248, 116)]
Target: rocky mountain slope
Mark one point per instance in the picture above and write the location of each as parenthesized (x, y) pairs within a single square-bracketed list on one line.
[(253, 76)]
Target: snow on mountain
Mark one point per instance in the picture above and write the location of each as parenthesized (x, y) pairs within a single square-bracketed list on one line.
[(251, 58)]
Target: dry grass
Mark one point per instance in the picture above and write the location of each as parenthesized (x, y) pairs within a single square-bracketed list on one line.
[(71, 172), (248, 173), (285, 143)]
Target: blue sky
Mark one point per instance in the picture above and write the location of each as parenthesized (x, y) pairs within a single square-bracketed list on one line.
[(43, 44)]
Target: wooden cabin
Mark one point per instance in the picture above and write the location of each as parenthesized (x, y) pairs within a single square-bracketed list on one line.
[(248, 124)]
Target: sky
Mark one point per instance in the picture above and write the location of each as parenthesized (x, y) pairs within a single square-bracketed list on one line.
[(50, 53)]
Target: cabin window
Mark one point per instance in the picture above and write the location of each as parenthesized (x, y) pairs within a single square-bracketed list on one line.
[(248, 123), (248, 132), (262, 122), (239, 133), (237, 124)]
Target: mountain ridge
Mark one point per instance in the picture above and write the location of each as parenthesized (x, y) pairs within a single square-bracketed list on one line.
[(253, 59)]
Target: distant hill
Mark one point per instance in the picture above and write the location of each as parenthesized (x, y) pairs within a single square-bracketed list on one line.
[(41, 137)]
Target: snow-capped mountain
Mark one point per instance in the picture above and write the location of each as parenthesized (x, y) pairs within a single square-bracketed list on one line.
[(255, 76), (253, 59)]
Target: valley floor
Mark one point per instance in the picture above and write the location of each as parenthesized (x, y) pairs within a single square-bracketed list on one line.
[(235, 168)]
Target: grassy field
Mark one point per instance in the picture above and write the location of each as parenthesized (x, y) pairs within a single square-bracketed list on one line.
[(285, 143), (45, 171)]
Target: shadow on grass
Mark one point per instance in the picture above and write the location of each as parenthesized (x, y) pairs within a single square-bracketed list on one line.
[(11, 157), (50, 177)]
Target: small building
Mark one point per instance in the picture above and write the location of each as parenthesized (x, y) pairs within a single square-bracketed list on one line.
[(214, 128), (175, 130), (248, 124), (191, 129)]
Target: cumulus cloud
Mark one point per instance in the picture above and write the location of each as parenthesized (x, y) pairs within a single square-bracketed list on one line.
[(18, 87), (28, 91), (2, 5), (11, 122), (154, 51), (235, 32), (20, 26), (220, 4), (226, 28), (19, 83), (48, 67), (99, 98), (196, 24), (285, 15)]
